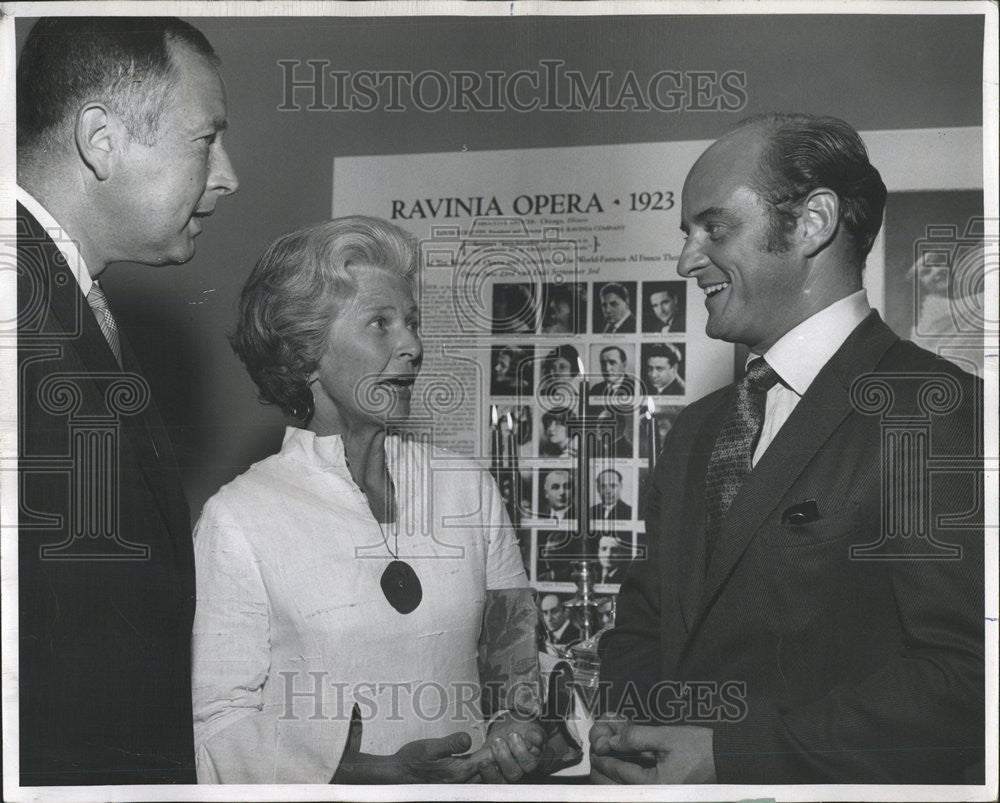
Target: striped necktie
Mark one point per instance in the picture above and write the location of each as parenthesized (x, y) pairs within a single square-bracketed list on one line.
[(99, 304)]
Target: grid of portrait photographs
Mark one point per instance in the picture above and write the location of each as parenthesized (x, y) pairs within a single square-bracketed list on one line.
[(612, 353)]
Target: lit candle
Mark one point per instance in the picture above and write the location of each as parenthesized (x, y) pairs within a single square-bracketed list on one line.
[(511, 443), (496, 445), (650, 433), (515, 477), (582, 480)]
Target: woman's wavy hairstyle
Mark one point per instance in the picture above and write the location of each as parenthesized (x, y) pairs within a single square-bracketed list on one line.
[(565, 352), (298, 286)]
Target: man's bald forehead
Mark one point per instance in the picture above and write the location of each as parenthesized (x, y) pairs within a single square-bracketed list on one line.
[(550, 602), (738, 151), (556, 476)]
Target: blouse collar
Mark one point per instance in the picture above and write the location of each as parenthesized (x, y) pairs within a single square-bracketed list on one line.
[(325, 453)]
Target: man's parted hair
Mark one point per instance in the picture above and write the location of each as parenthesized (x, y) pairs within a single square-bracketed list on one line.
[(299, 285), (123, 62), (615, 288), (619, 349), (614, 471), (803, 152), (668, 351), (667, 288)]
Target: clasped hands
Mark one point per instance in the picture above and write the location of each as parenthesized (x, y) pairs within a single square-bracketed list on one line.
[(622, 752)]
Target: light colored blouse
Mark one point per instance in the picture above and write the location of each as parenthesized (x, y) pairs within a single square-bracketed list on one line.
[(292, 629)]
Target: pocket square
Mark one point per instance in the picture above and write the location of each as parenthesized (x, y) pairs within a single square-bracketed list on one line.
[(802, 513)]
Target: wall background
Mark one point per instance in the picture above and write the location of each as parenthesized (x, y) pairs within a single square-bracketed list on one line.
[(877, 72)]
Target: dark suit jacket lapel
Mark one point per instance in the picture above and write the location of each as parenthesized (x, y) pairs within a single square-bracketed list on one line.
[(817, 415), (145, 431), (66, 302)]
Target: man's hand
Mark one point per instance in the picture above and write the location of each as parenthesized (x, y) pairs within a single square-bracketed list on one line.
[(622, 752), (512, 750)]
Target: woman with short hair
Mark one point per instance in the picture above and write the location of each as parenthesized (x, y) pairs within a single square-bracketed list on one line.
[(338, 609)]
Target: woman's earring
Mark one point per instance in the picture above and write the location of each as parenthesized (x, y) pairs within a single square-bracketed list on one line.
[(302, 407)]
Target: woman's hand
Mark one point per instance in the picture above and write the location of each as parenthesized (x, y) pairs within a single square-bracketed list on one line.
[(420, 761), (436, 760)]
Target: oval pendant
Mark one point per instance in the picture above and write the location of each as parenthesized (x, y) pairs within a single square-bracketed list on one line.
[(401, 586)]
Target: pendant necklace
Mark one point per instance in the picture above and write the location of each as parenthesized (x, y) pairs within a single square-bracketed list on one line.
[(399, 582)]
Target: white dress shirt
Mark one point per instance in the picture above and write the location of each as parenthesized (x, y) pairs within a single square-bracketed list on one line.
[(560, 514), (66, 245), (800, 355)]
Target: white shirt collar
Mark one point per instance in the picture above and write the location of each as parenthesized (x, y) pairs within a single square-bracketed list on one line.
[(66, 245), (800, 354)]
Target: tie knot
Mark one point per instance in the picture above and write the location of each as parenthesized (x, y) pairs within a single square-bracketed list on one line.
[(760, 377)]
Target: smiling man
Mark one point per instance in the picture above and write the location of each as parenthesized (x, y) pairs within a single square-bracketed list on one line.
[(119, 159), (851, 648)]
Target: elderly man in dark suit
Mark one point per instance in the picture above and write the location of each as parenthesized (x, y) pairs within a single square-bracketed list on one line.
[(119, 159), (802, 618), (618, 382)]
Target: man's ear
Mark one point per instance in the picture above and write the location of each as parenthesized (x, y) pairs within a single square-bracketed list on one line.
[(820, 220), (99, 135)]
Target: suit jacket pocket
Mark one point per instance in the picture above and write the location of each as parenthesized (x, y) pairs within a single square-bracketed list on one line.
[(833, 527)]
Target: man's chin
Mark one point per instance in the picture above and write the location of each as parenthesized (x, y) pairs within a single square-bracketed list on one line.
[(181, 251), (717, 330), (183, 259), (176, 256)]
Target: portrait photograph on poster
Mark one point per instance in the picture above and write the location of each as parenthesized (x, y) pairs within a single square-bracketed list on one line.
[(449, 400), (663, 307)]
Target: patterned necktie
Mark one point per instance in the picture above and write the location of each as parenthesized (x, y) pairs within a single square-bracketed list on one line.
[(99, 304), (733, 451)]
